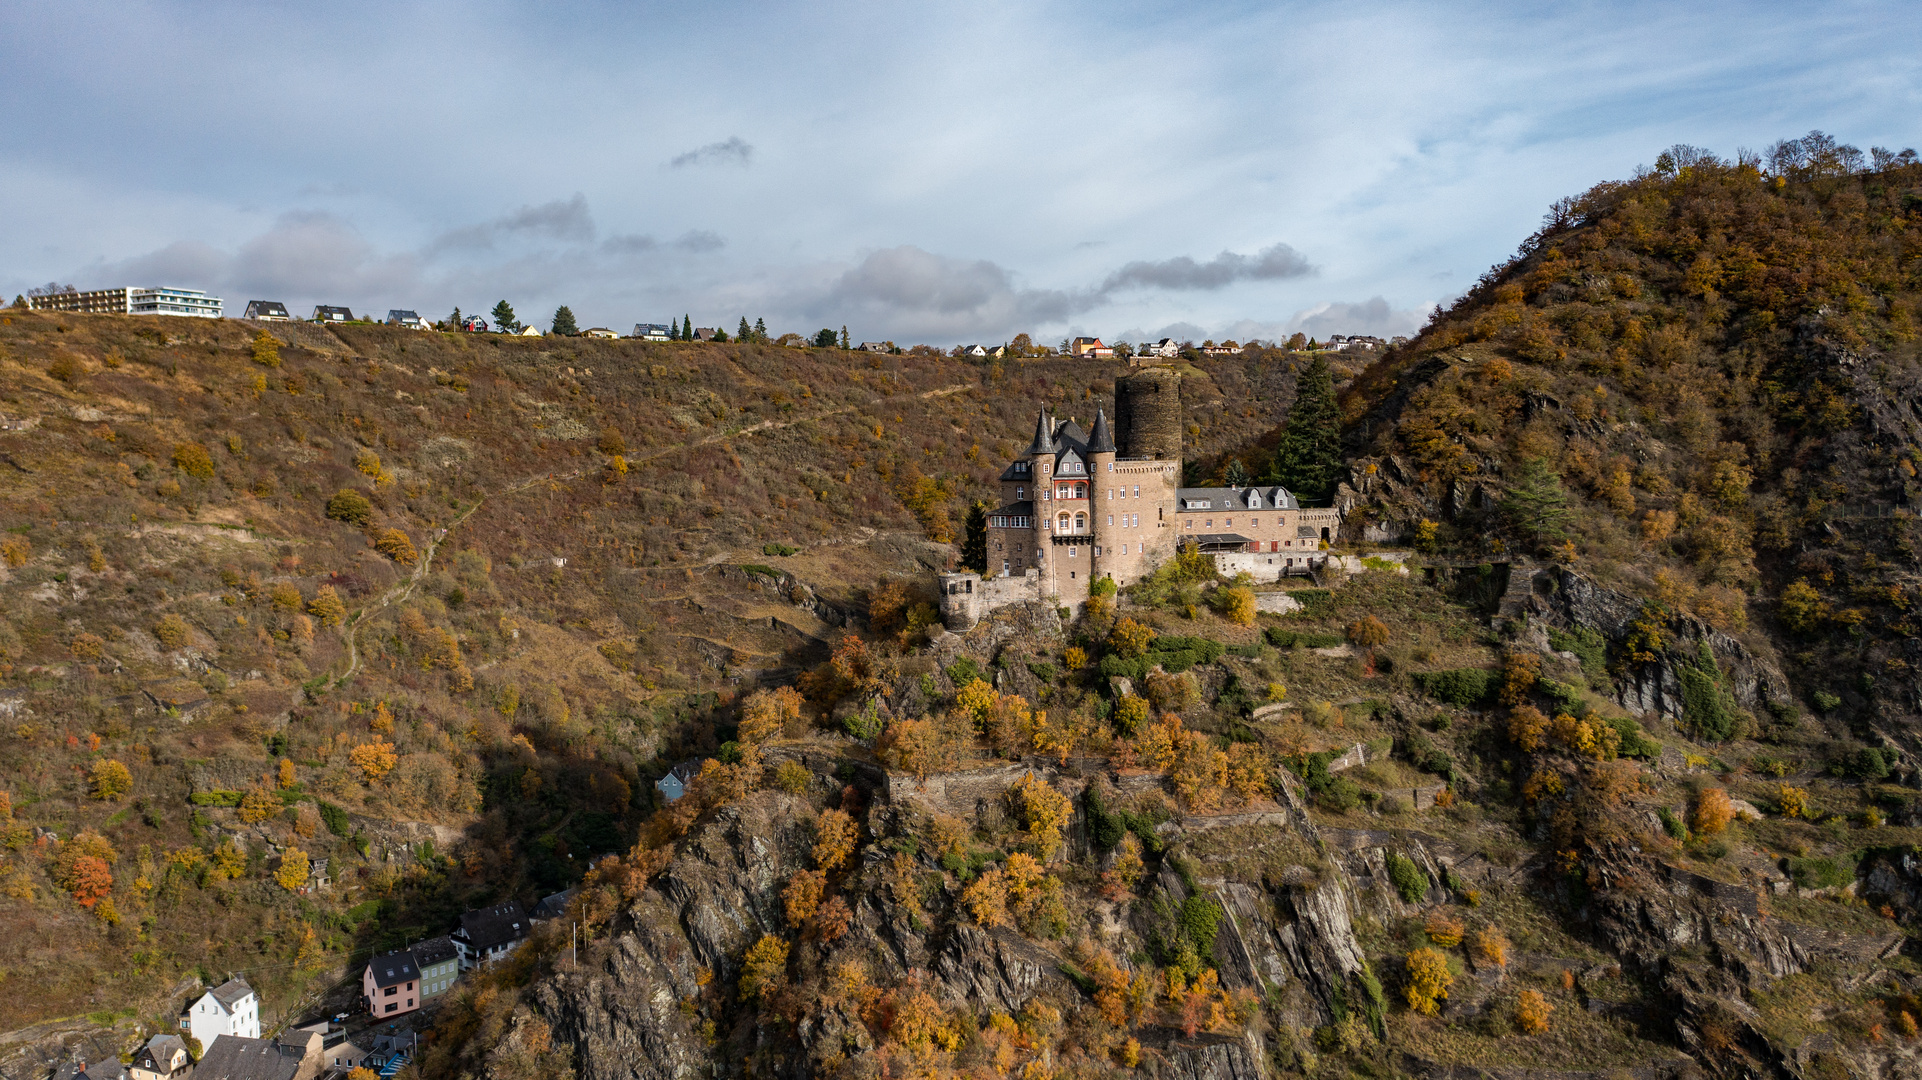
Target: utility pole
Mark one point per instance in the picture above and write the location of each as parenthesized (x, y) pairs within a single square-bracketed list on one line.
[(574, 944)]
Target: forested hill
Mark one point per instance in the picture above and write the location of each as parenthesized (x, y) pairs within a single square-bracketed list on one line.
[(1718, 362), (435, 607)]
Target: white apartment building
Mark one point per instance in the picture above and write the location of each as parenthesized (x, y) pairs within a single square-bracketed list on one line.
[(131, 300)]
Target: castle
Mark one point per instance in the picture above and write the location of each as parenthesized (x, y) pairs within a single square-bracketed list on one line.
[(1080, 506)]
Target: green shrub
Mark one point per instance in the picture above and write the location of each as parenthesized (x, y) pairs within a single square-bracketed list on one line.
[(1307, 639), (1043, 670), (764, 571), (778, 549), (215, 798), (1112, 666), (964, 671), (1566, 698), (1822, 873), (1635, 742), (1825, 702), (1868, 763), (1588, 645), (1461, 687), (1671, 824), (1102, 587), (865, 724), (336, 819), (1315, 603), (1409, 881), (1200, 922), (1707, 706)]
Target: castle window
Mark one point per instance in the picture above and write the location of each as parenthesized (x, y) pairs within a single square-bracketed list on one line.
[(1020, 493), (1229, 524), (1081, 491), (1111, 519), (1081, 523), (1061, 523)]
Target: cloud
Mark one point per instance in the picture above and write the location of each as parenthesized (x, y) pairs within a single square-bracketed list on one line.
[(1275, 262), (1371, 316), (628, 244), (565, 220), (700, 241), (908, 290), (735, 151)]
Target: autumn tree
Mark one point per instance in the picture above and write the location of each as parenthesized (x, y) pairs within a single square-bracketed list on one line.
[(1130, 638), (258, 805), (802, 897), (766, 712), (294, 867), (171, 631), (834, 839), (109, 779), (1046, 812), (764, 969), (1368, 632), (327, 607), (266, 350), (91, 880), (1713, 811), (395, 545), (1532, 1011), (374, 760), (1428, 980), (350, 506)]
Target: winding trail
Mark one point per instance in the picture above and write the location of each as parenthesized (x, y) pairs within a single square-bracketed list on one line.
[(406, 589)]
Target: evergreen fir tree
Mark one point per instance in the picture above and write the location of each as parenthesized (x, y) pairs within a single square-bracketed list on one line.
[(455, 321), (504, 318), (760, 331), (564, 323), (744, 333), (1536, 505), (845, 342), (1237, 474), (974, 546), (1308, 461), (687, 328)]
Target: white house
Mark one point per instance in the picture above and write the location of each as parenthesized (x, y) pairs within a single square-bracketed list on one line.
[(648, 331), (232, 1008), (600, 332), (531, 331), (1166, 347)]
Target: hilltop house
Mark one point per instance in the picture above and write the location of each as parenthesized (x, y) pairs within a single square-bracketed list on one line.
[(648, 331), (1089, 347), (704, 333), (327, 313), (163, 1058), (600, 332), (267, 311), (1166, 349), (877, 346), (232, 1008), (412, 321), (490, 933)]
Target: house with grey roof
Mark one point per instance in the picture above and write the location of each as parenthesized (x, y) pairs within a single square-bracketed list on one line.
[(163, 1058), (232, 1008), (233, 1057), (490, 933)]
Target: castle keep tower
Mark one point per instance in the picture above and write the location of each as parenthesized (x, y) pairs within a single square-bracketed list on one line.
[(1148, 414)]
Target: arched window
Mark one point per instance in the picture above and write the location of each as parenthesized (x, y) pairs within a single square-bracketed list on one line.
[(1061, 523), (1081, 523)]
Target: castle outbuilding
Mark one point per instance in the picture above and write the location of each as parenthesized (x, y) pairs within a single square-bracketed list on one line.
[(1082, 505)]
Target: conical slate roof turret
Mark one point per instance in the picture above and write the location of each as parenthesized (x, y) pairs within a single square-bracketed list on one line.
[(1043, 435), (1099, 441)]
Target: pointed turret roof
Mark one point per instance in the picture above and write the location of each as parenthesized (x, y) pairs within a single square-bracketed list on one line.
[(1043, 435), (1099, 441)]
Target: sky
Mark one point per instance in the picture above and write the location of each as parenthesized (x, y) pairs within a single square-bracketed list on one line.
[(918, 173)]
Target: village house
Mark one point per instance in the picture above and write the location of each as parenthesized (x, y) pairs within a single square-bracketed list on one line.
[(600, 332), (391, 984), (410, 320), (490, 933), (298, 1055), (1084, 505), (439, 963), (648, 331), (163, 1058), (232, 1008), (324, 313), (267, 311)]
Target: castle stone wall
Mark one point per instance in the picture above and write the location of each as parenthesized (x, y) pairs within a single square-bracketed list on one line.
[(1148, 417)]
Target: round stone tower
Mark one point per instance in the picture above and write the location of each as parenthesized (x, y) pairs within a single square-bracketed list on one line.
[(1147, 410)]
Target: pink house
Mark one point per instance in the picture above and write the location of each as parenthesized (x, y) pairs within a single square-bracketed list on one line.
[(391, 984)]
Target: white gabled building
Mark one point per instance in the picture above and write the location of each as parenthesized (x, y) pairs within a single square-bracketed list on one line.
[(232, 1008)]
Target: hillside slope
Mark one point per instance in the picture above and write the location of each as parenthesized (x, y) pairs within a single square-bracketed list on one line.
[(525, 634), (1723, 368)]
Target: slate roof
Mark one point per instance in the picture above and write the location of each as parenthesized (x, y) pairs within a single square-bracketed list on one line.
[(1220, 541), (327, 312), (160, 1051), (554, 906), (1043, 435), (434, 951), (1026, 507), (395, 315), (232, 1057), (1100, 441), (491, 926), (232, 992), (257, 308), (394, 968), (104, 1070), (1224, 498)]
